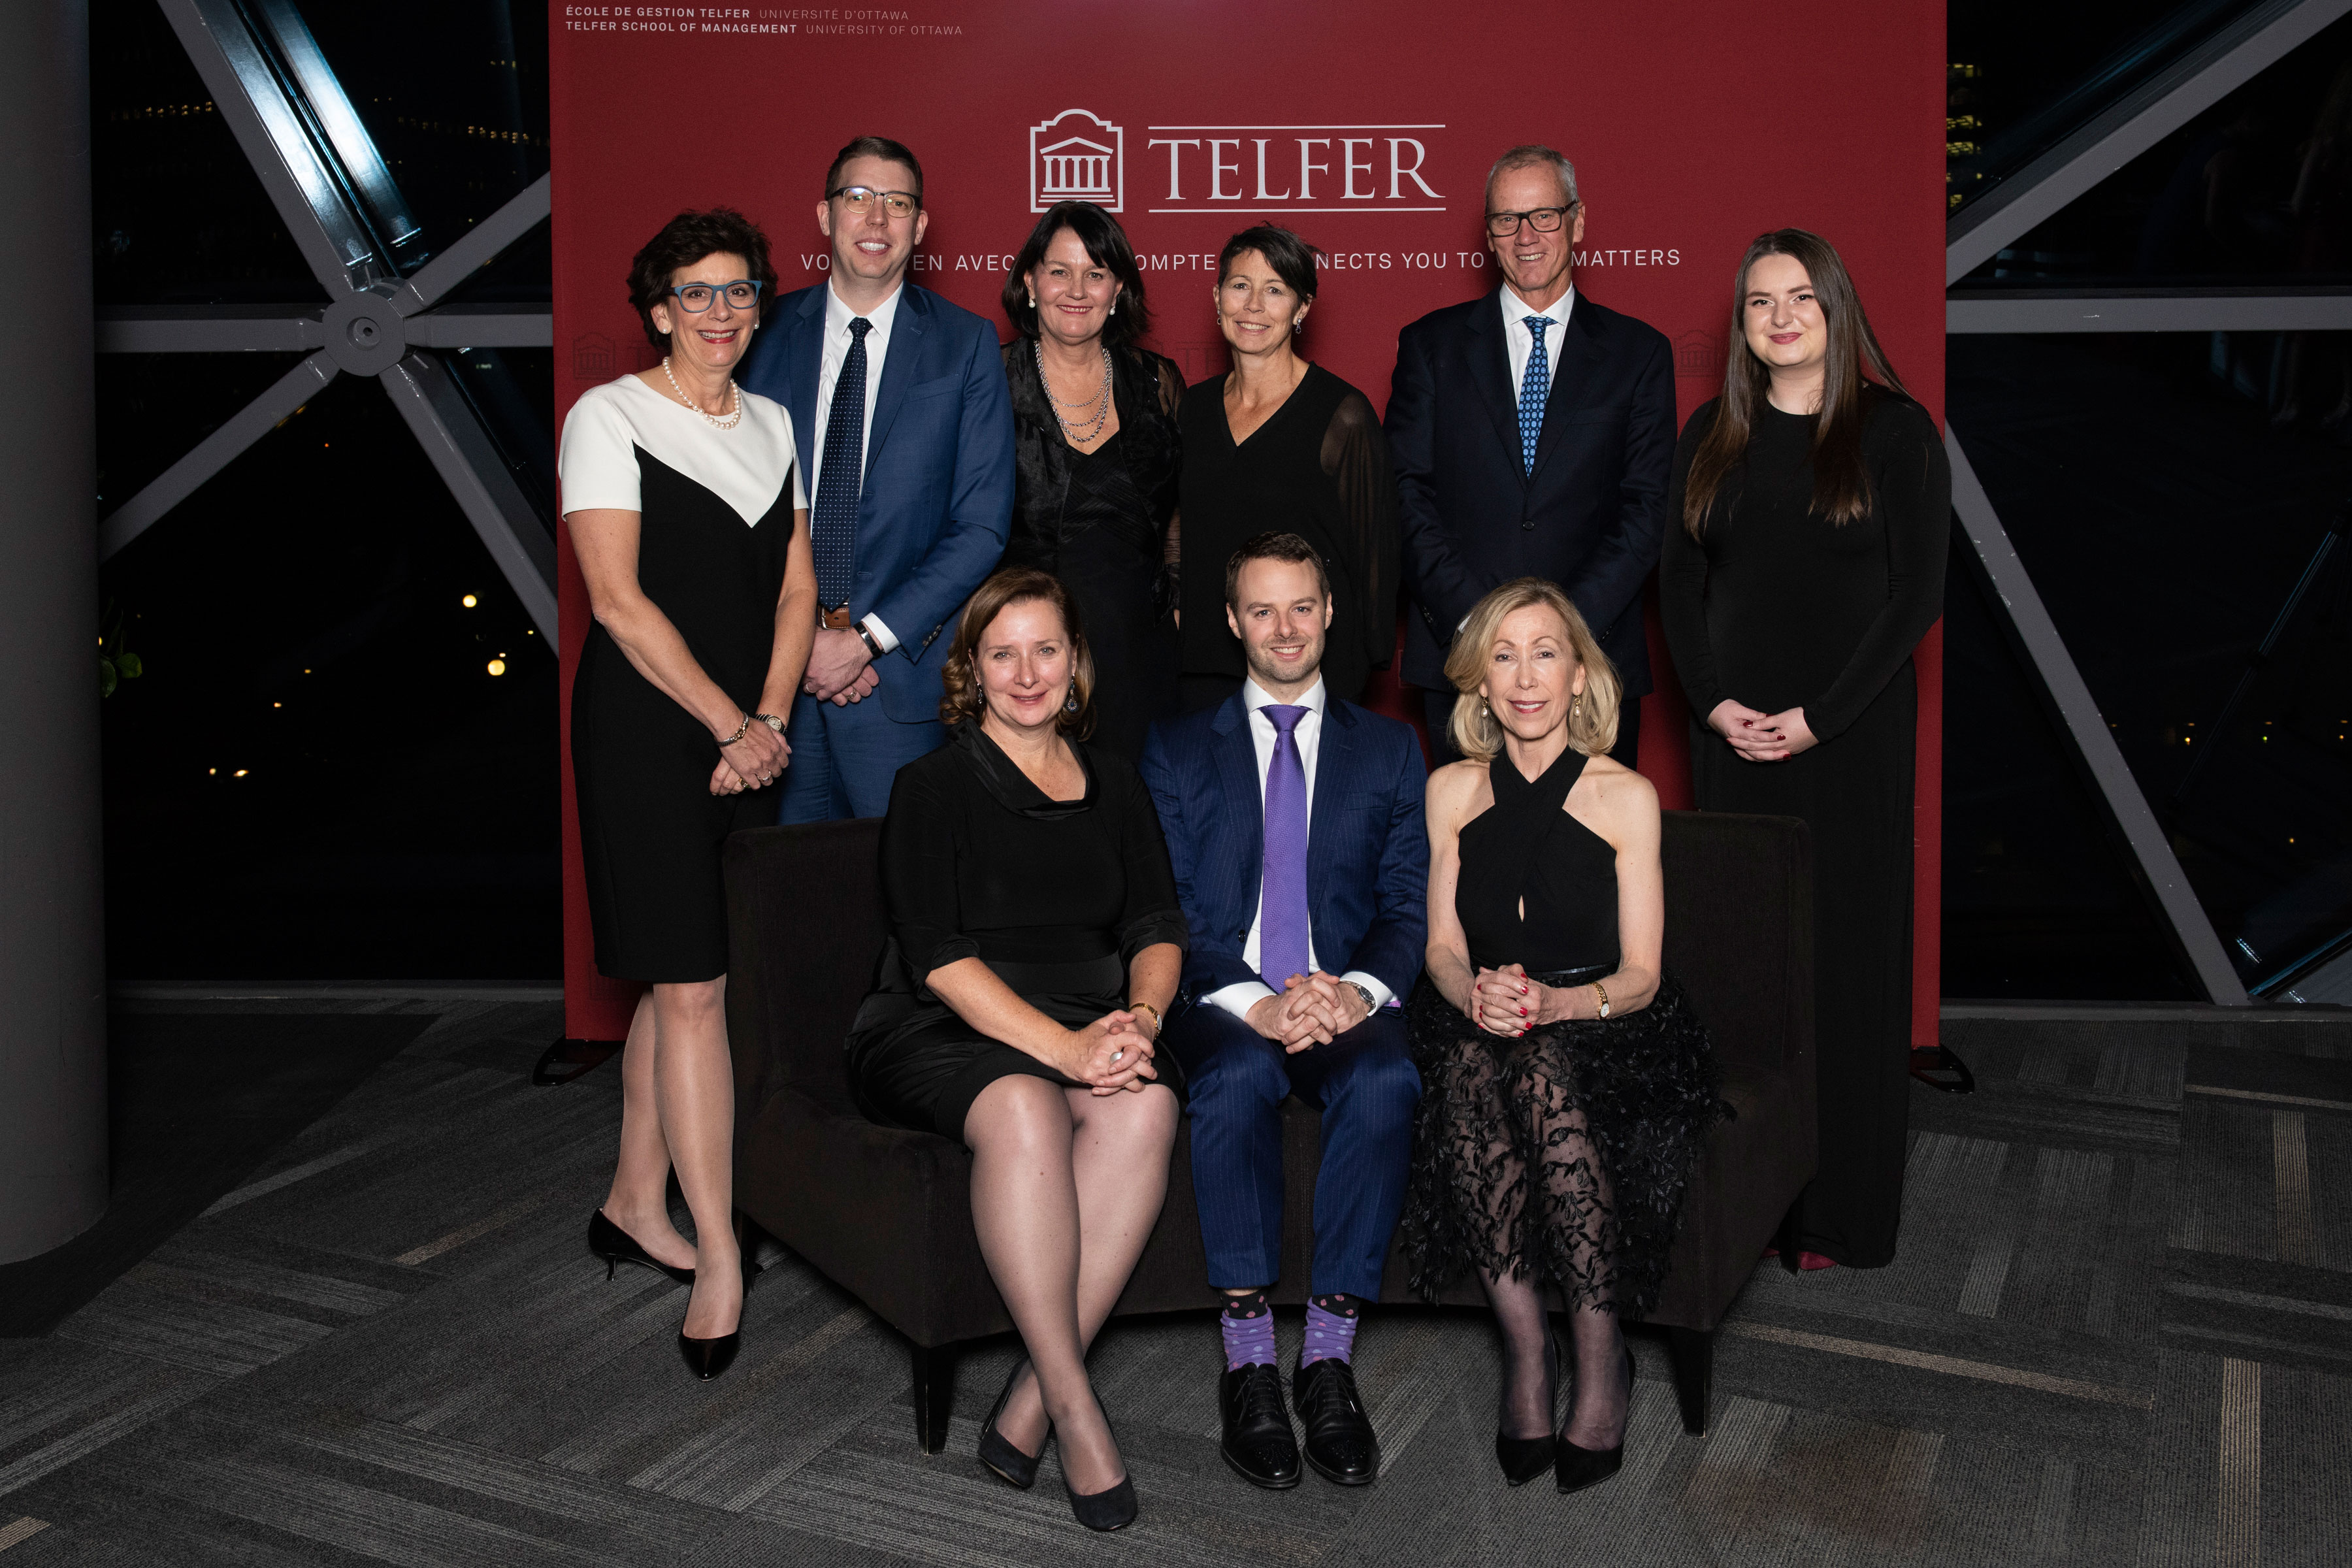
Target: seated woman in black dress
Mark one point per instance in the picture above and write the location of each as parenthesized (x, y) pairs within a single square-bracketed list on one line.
[(1094, 431), (1566, 1082), (1035, 942)]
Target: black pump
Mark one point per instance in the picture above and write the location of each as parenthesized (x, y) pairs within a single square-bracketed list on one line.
[(617, 1247)]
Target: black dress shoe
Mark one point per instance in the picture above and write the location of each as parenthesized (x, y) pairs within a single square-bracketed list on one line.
[(1259, 1443), (1007, 1463), (1578, 1468), (1339, 1441), (617, 1247)]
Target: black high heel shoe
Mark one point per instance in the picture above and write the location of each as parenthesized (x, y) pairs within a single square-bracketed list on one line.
[(617, 1247), (1582, 1468), (1113, 1508), (1004, 1461), (1524, 1458), (708, 1358)]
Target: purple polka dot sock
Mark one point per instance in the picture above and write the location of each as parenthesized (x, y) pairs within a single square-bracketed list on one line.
[(1247, 1323), (1331, 1328)]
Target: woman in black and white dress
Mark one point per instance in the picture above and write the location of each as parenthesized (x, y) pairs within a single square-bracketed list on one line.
[(690, 518)]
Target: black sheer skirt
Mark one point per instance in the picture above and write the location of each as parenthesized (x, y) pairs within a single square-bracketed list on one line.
[(1606, 1114)]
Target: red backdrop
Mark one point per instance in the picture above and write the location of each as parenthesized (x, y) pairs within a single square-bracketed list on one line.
[(1366, 125)]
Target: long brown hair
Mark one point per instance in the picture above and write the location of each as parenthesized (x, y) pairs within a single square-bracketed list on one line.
[(1841, 483), (962, 695)]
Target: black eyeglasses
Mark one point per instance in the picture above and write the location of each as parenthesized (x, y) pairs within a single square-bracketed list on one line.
[(858, 200), (742, 294), (1543, 220)]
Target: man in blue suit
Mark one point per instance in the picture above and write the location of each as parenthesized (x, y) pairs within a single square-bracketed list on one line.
[(1532, 433), (1293, 821), (905, 430)]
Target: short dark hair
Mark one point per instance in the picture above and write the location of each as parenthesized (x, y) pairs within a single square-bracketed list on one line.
[(1271, 547), (1292, 259), (874, 147), (962, 696), (687, 240), (1107, 247)]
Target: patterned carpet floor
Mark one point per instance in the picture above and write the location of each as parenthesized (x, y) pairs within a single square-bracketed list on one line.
[(2119, 1332)]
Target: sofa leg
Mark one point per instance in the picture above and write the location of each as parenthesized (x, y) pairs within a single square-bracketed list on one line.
[(1694, 1352), (934, 1367), (1784, 1241)]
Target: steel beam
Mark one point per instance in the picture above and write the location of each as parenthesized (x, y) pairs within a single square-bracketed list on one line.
[(2158, 869), (2317, 310), (479, 246), (2141, 118), (215, 452), (452, 436), (484, 326), (211, 329)]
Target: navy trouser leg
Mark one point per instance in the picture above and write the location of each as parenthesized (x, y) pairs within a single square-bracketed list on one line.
[(844, 758), (1235, 1085), (1367, 1086)]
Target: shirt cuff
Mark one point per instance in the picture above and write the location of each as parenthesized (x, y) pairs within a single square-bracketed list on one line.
[(1382, 995), (1239, 997), (882, 634)]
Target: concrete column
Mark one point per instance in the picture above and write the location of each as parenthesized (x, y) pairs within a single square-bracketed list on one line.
[(53, 1158)]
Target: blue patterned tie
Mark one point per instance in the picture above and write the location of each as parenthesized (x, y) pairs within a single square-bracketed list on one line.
[(1284, 933), (1534, 388), (833, 531)]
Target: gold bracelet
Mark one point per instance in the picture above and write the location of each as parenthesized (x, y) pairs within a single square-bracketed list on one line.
[(1602, 991), (1157, 1023)]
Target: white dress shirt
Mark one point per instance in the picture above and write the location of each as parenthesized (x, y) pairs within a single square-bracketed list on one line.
[(838, 317), (1516, 338), (1240, 997)]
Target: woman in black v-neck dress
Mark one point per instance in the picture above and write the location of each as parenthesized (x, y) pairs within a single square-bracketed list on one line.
[(690, 520), (1317, 466), (1095, 494)]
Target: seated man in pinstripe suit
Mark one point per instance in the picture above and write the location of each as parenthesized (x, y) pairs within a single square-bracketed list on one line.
[(1293, 821)]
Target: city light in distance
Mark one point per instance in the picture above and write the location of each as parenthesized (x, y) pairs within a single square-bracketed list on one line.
[(470, 601), (240, 773), (499, 666), (277, 705)]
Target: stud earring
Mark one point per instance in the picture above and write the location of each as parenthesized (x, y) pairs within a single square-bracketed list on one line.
[(1114, 308)]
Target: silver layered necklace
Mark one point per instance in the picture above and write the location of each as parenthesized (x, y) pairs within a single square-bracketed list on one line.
[(1085, 429)]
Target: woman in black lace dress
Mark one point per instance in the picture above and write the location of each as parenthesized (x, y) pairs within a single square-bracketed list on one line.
[(1094, 431), (1566, 1082)]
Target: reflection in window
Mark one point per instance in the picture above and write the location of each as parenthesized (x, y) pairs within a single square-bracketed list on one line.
[(2166, 516)]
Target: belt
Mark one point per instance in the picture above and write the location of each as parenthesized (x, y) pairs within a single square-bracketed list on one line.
[(835, 619)]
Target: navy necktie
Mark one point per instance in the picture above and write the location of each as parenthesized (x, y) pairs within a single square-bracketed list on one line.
[(1535, 386), (1284, 933), (832, 529)]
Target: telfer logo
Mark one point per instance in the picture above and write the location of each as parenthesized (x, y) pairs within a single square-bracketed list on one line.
[(1076, 156), (1367, 168)]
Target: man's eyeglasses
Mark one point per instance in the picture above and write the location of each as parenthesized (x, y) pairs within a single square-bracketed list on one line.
[(858, 200), (742, 295), (1543, 220)]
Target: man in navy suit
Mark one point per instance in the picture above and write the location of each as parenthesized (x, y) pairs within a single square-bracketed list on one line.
[(904, 427), (1532, 433), (1293, 821)]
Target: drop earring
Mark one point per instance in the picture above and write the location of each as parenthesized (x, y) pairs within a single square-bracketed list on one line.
[(1070, 704), (1114, 308), (1576, 709), (1033, 302)]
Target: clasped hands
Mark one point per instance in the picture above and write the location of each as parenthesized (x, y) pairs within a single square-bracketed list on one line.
[(1313, 1010), (1762, 737), (1112, 1054), (758, 757), (840, 668), (1506, 1001)]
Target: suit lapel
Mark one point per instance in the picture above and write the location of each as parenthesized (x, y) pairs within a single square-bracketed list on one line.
[(1490, 367), (1237, 786), (1579, 365), (900, 369), (1334, 761), (803, 359)]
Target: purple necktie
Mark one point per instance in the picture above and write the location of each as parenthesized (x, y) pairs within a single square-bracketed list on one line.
[(1283, 932)]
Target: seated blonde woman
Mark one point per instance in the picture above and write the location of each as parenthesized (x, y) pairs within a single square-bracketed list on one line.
[(1566, 1084)]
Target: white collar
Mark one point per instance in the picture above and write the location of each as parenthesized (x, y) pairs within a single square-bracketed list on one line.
[(1516, 310), (837, 313), (1254, 696)]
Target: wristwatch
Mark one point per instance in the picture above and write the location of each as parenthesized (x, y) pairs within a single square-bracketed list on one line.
[(873, 644), (1365, 993), (771, 722)]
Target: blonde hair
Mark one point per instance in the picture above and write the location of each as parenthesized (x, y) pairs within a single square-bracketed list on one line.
[(961, 697), (1477, 734)]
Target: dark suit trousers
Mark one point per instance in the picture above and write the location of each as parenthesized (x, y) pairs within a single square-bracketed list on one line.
[(1439, 708), (1366, 1086)]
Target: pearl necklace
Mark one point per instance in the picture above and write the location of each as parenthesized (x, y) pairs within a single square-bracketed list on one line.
[(726, 424), (1099, 402)]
